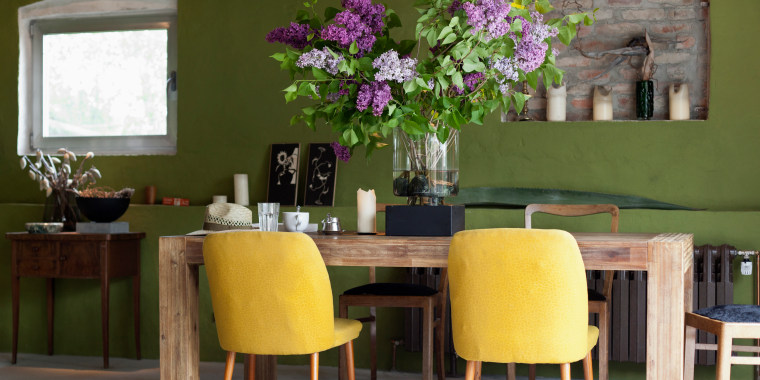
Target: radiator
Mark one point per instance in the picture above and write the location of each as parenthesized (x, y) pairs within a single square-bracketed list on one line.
[(713, 285)]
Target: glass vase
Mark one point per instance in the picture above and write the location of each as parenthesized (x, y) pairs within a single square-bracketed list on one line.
[(425, 170), (644, 99), (61, 206)]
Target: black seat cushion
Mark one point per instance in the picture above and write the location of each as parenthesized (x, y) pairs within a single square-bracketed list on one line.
[(391, 289), (593, 295), (732, 313)]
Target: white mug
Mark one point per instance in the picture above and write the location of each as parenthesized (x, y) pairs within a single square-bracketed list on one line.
[(295, 221)]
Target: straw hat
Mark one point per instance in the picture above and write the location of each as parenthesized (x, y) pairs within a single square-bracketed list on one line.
[(227, 216)]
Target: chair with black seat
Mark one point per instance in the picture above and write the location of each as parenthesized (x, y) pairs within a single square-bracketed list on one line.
[(381, 294), (598, 303), (726, 322)]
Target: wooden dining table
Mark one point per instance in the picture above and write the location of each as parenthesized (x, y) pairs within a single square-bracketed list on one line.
[(666, 257)]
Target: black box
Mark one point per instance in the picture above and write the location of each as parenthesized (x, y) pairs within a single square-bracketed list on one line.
[(424, 220)]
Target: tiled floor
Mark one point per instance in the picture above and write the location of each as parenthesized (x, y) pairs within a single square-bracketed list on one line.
[(62, 367)]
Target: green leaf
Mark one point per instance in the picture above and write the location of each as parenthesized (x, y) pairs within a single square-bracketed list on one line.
[(319, 73), (442, 80), (519, 99), (444, 32), (410, 86), (532, 78), (393, 20), (576, 18), (421, 82), (457, 79), (517, 197), (308, 110), (330, 13), (290, 96), (391, 108), (365, 64), (544, 6), (406, 47), (302, 16), (454, 21), (353, 49), (431, 37), (449, 39), (470, 66), (566, 34), (278, 56)]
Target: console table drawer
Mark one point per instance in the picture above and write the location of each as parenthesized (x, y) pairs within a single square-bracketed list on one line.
[(37, 259)]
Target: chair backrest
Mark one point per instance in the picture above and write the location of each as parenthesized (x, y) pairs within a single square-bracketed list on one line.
[(579, 210), (270, 292), (518, 295), (573, 210)]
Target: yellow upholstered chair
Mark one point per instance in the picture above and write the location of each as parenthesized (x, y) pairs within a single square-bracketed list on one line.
[(519, 296), (271, 296), (598, 303)]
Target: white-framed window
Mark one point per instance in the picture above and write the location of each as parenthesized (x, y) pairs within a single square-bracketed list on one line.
[(98, 76)]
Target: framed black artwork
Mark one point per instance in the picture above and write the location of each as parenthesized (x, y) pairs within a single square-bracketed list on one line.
[(283, 174), (321, 175)]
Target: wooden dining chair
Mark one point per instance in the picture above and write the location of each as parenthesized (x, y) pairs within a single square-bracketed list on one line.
[(727, 322), (598, 303), (509, 304), (271, 295), (382, 294)]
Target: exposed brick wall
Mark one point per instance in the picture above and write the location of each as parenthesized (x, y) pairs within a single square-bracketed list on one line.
[(679, 30)]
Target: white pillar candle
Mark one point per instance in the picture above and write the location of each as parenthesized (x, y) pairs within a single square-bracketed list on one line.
[(679, 102), (219, 199), (241, 189), (366, 212), (556, 103), (602, 103)]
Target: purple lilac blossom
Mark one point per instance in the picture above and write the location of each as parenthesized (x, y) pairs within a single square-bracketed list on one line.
[(359, 22), (341, 151), (530, 52), (296, 35), (321, 59), (455, 6), (390, 67), (490, 15), (377, 94), (472, 80)]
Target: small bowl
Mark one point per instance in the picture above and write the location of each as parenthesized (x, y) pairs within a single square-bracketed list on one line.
[(44, 228), (102, 210)]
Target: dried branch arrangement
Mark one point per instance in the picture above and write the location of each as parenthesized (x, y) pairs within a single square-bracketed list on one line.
[(51, 178)]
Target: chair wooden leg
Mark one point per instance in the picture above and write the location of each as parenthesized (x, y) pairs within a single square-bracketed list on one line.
[(479, 371), (251, 364), (315, 366), (439, 350), (229, 365), (342, 313), (511, 371), (373, 343), (564, 371), (350, 360), (690, 337), (604, 342), (469, 372), (588, 367), (723, 365), (427, 342), (532, 372)]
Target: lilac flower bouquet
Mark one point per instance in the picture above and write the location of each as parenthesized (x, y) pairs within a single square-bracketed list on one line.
[(463, 64)]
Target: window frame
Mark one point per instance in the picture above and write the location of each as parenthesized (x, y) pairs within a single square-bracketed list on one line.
[(30, 131)]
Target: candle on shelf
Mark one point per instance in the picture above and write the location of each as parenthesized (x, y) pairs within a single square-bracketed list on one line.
[(602, 103), (556, 103), (679, 101), (219, 199), (366, 212), (241, 189)]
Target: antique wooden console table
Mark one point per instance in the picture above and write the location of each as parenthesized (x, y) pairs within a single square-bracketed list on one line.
[(666, 257), (75, 255)]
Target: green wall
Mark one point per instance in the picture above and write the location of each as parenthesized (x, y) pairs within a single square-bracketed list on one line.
[(231, 108)]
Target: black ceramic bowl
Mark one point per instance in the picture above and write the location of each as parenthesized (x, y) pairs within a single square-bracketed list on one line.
[(102, 210)]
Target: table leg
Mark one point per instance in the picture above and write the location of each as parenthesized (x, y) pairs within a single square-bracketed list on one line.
[(104, 293), (669, 270), (178, 311), (50, 314), (427, 341), (136, 301), (15, 291)]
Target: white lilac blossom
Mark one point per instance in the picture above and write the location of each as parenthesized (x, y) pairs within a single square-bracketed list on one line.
[(508, 69), (321, 59), (392, 68)]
